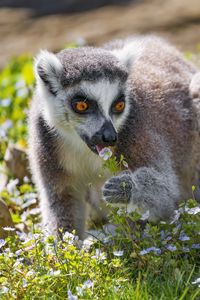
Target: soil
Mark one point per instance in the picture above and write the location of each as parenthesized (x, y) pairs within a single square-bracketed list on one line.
[(53, 24)]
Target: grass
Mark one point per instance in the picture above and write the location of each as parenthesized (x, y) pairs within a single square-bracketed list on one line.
[(155, 261)]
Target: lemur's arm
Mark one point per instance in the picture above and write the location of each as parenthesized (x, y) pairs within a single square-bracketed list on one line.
[(147, 189)]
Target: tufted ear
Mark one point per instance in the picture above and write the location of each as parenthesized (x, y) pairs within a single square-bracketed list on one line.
[(194, 89), (48, 71)]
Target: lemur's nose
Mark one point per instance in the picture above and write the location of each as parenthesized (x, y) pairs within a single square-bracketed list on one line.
[(109, 137), (109, 134)]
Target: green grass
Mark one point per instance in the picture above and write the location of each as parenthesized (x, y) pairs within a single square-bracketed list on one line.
[(159, 261)]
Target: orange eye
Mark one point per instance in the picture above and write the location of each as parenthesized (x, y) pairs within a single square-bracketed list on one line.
[(81, 106), (119, 106)]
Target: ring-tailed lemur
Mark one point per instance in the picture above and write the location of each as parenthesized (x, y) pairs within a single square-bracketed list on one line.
[(138, 95)]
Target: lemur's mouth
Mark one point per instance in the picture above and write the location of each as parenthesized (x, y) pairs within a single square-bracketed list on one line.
[(96, 148), (99, 148)]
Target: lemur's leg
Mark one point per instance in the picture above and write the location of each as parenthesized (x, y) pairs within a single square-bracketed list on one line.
[(146, 189), (62, 205), (63, 210)]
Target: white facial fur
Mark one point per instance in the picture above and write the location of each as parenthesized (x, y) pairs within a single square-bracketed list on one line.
[(105, 93)]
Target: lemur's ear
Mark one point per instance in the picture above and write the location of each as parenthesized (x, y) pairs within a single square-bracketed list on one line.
[(194, 89), (128, 54), (48, 70)]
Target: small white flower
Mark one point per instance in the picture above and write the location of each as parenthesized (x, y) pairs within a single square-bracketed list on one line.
[(22, 93), (79, 291), (87, 243), (171, 247), (2, 243), (5, 102), (151, 249), (68, 236), (183, 237), (119, 253), (54, 273), (195, 246), (19, 252), (145, 216), (193, 210), (88, 284), (24, 282), (9, 228), (20, 84), (105, 153), (26, 179), (34, 211), (4, 290), (11, 186), (99, 255), (7, 124), (71, 297), (30, 273), (197, 281)]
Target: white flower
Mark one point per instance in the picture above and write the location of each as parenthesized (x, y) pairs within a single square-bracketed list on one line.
[(2, 243), (9, 228), (34, 211), (70, 238), (105, 153), (171, 247), (145, 216), (7, 124), (26, 179), (183, 237), (151, 249), (24, 282), (11, 186), (20, 84), (99, 255), (19, 252), (88, 284), (4, 290), (30, 273), (119, 253), (87, 243), (54, 273), (193, 210), (197, 281), (22, 93), (79, 290), (71, 297), (5, 102)]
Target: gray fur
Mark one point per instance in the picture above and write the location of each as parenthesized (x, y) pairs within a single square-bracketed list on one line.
[(158, 133)]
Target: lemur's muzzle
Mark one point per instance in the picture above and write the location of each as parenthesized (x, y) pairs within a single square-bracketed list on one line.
[(106, 136)]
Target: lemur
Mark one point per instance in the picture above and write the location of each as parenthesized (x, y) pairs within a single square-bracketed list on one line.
[(138, 95)]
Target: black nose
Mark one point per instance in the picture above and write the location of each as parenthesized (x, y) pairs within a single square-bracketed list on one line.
[(109, 137)]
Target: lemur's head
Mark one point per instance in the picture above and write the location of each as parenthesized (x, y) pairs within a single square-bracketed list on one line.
[(83, 89)]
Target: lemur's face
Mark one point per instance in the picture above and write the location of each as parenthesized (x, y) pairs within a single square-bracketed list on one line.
[(92, 100), (96, 111)]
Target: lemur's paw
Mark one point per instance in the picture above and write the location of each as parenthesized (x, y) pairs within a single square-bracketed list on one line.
[(118, 189)]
